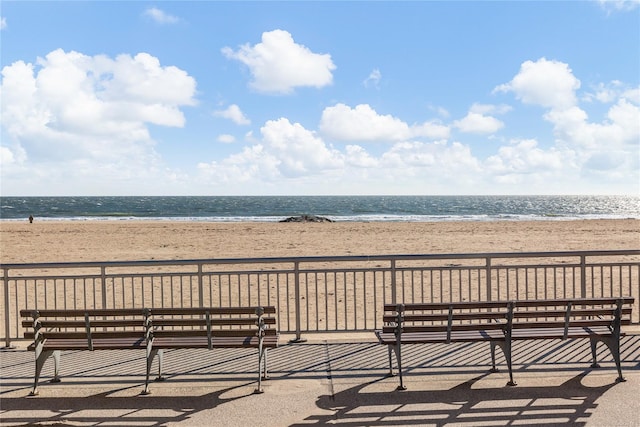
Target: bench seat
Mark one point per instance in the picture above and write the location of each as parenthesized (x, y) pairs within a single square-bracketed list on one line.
[(560, 333), (270, 341), (98, 344), (439, 337)]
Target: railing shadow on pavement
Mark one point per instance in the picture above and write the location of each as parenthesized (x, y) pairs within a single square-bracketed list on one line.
[(81, 399), (109, 408), (569, 403), (477, 398)]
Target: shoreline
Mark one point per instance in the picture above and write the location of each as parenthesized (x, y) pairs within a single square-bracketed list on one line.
[(374, 218), (123, 240)]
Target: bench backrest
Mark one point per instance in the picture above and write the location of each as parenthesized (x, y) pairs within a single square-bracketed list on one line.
[(85, 324), (444, 317), (213, 321), (145, 323), (507, 315), (569, 313)]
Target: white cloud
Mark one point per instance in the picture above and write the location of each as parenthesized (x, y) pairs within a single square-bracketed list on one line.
[(3, 23), (632, 95), (226, 139), (286, 152), (374, 79), (606, 93), (278, 64), (619, 5), (490, 108), (435, 159), (358, 157), (234, 114), (363, 123), (160, 16), (478, 123), (290, 158), (547, 83), (580, 146), (621, 129), (524, 157), (89, 115), (299, 150), (6, 157), (440, 111)]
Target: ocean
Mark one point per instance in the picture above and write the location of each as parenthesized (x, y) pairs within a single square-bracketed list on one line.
[(336, 208)]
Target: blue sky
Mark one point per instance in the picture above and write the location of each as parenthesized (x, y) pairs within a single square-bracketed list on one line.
[(307, 98)]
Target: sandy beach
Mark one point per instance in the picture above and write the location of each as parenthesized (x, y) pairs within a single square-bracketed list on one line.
[(63, 241)]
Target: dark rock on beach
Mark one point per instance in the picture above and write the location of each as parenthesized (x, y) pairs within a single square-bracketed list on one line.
[(306, 218)]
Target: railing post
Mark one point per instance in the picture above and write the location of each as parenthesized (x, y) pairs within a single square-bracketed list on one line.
[(200, 286), (7, 317), (103, 279), (489, 281), (394, 291), (296, 273), (583, 276)]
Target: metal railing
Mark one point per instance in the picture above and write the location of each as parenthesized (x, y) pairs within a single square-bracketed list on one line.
[(318, 294)]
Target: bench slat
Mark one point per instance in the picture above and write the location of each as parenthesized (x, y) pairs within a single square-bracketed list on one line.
[(213, 311), (214, 322), (552, 333), (81, 323), (216, 342), (204, 333), (103, 343), (81, 313)]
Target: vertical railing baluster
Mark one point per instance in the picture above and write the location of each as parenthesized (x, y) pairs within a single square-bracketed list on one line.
[(489, 273), (583, 276), (103, 279), (394, 292), (7, 313), (200, 287), (296, 272)]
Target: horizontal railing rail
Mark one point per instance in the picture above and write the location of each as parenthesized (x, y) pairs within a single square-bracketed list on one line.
[(321, 293)]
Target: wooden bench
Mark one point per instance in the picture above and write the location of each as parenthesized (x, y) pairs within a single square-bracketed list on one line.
[(226, 327), (502, 322), (152, 330), (53, 331)]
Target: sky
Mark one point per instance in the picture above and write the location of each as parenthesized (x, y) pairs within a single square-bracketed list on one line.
[(319, 98)]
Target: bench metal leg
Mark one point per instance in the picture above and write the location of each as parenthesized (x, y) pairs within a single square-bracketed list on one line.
[(506, 350), (265, 374), (261, 365), (594, 357), (151, 354), (160, 365), (613, 344), (398, 351), (56, 367), (390, 374), (493, 356), (41, 357)]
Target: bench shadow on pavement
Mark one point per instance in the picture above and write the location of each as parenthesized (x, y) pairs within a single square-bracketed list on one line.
[(80, 399), (105, 409), (542, 397), (569, 403)]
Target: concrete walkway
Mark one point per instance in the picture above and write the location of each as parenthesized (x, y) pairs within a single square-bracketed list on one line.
[(329, 380)]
